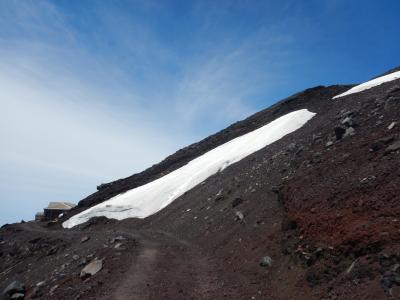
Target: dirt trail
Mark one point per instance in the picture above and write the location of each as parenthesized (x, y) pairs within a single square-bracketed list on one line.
[(158, 265), (135, 284), (167, 268)]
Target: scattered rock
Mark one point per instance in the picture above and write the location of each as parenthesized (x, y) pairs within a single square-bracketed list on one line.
[(118, 245), (339, 132), (117, 239), (349, 132), (33, 293), (390, 278), (393, 147), (346, 155), (376, 146), (82, 262), (392, 103), (328, 144), (316, 137), (395, 267), (219, 196), (344, 114), (53, 289), (92, 268), (77, 297), (85, 239), (236, 202), (391, 126), (266, 261), (275, 189), (393, 90), (316, 158), (64, 266), (348, 121), (351, 267), (35, 240), (18, 296), (239, 216), (368, 179), (379, 144), (14, 288), (386, 284), (292, 147), (52, 251)]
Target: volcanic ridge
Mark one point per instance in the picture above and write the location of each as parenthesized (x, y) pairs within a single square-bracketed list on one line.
[(299, 201)]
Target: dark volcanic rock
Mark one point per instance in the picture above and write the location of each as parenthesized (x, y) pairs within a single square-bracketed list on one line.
[(237, 202), (339, 132), (393, 147), (379, 144), (14, 290)]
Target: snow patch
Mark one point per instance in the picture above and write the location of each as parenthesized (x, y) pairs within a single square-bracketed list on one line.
[(150, 198), (370, 84)]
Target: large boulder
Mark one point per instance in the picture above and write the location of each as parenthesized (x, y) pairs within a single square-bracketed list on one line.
[(92, 268)]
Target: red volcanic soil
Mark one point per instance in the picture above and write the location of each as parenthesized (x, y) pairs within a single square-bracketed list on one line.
[(313, 216)]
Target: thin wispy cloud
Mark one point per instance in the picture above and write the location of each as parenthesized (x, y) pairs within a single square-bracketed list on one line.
[(61, 135), (227, 76)]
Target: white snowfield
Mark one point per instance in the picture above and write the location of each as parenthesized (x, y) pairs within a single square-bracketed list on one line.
[(370, 84), (150, 198)]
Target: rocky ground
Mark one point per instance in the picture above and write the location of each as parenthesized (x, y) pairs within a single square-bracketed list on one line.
[(313, 216)]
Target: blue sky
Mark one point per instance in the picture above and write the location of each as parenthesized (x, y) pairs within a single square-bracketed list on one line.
[(92, 91)]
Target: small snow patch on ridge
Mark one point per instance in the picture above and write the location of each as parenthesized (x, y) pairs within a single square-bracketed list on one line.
[(370, 84), (150, 198)]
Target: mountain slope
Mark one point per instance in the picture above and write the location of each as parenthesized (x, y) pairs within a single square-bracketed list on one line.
[(183, 156), (312, 216), (150, 198)]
